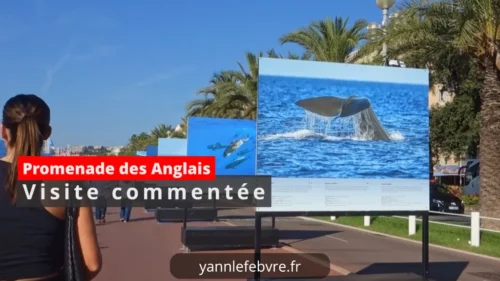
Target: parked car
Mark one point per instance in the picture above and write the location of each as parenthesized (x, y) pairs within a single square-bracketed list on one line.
[(443, 201)]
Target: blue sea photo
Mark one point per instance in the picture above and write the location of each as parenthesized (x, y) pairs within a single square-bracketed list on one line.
[(172, 147), (231, 141), (343, 121)]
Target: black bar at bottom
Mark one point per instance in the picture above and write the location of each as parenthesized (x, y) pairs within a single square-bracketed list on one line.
[(425, 245), (258, 228)]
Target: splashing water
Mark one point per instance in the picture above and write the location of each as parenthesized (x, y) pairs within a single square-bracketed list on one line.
[(360, 127)]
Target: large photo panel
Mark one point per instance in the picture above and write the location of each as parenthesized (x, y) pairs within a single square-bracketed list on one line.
[(343, 137), (231, 141), (172, 147)]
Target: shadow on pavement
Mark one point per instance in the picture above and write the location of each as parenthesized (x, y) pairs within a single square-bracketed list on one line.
[(439, 271), (302, 235)]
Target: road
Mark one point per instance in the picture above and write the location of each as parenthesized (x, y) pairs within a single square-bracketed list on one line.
[(368, 253), (451, 219)]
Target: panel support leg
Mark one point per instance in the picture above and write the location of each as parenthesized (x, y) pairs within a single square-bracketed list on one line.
[(425, 245), (258, 228)]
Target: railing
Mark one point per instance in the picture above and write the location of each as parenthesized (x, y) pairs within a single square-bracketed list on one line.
[(474, 217)]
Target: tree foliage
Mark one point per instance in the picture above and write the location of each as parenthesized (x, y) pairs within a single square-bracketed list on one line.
[(95, 151), (457, 40), (139, 142), (455, 129)]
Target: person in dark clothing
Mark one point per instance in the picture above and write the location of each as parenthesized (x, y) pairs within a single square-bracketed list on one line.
[(32, 239), (126, 204), (101, 204)]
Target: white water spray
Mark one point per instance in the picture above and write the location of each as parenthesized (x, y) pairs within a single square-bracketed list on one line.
[(351, 127), (360, 127)]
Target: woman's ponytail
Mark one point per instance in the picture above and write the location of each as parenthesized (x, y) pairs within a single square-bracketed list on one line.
[(29, 142), (26, 124)]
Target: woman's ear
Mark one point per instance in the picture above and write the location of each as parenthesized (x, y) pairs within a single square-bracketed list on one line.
[(47, 134)]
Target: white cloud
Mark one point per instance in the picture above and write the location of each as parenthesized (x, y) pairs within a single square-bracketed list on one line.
[(49, 75), (99, 51)]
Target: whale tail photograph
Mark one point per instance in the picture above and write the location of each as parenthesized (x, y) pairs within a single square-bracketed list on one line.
[(343, 121), (366, 122)]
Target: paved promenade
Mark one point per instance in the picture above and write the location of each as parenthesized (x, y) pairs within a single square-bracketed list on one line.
[(141, 249)]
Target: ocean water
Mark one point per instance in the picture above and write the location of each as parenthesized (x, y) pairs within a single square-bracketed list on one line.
[(3, 151), (213, 137), (296, 143)]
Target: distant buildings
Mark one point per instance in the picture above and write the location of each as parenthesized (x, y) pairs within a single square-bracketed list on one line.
[(78, 149)]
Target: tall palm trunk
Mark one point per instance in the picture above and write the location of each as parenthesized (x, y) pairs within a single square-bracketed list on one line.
[(490, 147)]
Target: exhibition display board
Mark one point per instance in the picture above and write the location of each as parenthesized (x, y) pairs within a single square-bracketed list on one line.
[(231, 141), (343, 137), (172, 147), (152, 150)]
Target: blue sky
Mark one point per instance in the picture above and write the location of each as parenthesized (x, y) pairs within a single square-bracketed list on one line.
[(338, 71), (109, 69)]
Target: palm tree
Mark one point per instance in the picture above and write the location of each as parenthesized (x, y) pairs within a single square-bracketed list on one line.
[(291, 56), (328, 40), (198, 107), (184, 126), (240, 94), (206, 106), (442, 36), (231, 94), (137, 143), (162, 131)]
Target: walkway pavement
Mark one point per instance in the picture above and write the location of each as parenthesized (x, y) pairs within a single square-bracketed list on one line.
[(141, 249)]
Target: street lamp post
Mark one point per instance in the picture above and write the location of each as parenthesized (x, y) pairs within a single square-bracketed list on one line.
[(385, 5)]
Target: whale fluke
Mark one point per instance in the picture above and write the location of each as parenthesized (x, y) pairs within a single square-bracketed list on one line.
[(367, 124), (334, 106), (353, 105), (324, 106)]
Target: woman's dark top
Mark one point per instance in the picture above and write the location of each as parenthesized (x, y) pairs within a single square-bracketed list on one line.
[(31, 239)]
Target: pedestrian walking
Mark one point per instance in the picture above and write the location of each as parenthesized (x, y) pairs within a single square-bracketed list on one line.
[(126, 204), (101, 204)]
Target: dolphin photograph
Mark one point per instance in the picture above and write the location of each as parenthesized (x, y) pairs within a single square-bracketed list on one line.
[(331, 120), (231, 141), (234, 145), (216, 146)]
